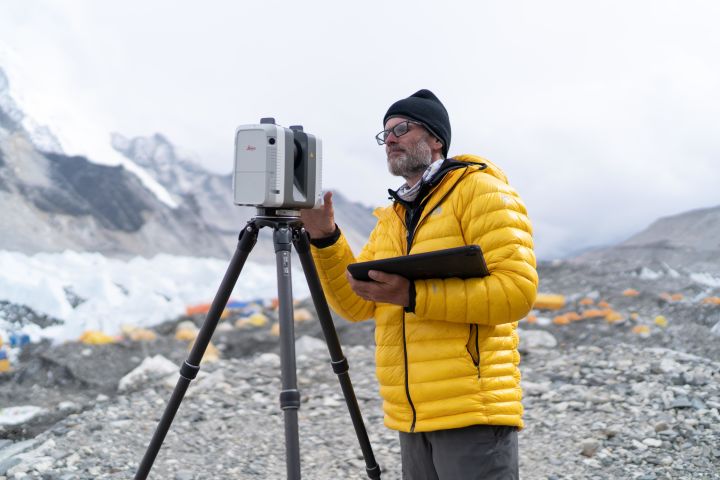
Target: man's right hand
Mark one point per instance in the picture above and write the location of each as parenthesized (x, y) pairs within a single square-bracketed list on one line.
[(320, 222)]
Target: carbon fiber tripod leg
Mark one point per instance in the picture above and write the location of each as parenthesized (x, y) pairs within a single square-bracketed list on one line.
[(289, 396), (189, 369), (339, 362)]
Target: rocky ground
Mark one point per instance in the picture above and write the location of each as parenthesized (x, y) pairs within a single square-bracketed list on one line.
[(603, 399), (681, 298)]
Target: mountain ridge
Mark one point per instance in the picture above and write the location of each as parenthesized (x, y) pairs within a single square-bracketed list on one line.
[(687, 241), (156, 200)]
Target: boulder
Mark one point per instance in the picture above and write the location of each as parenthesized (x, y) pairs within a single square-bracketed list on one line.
[(151, 369), (534, 339)]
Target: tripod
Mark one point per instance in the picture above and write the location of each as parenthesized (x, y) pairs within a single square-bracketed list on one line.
[(287, 230)]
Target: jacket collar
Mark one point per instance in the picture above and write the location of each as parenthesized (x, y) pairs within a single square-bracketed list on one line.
[(452, 171), (426, 186), (437, 192)]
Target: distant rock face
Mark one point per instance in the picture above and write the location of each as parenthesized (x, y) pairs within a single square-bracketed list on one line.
[(355, 220), (687, 242), (207, 194), (13, 119), (10, 114), (53, 202), (6, 121), (115, 197), (697, 230)]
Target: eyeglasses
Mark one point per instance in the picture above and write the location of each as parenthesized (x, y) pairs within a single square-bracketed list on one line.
[(398, 130)]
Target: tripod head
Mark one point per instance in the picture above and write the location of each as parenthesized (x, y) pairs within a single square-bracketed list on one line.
[(268, 212)]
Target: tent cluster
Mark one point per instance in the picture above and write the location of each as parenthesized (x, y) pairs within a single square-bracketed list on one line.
[(187, 331), (587, 308), (679, 297), (566, 312), (4, 360), (138, 334), (252, 314), (233, 306), (9, 351), (128, 332), (236, 315)]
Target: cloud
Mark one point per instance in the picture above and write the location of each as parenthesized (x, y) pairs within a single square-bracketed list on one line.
[(604, 115)]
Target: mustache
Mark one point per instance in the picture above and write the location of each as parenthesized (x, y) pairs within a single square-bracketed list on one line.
[(395, 148)]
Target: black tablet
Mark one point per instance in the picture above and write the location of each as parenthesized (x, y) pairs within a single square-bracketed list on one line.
[(461, 262)]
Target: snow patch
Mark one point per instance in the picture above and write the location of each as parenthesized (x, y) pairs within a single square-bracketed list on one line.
[(19, 415), (705, 279), (649, 274), (59, 128), (715, 330), (152, 368), (672, 272)]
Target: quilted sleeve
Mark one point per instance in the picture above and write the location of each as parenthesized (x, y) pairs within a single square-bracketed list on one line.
[(331, 263), (494, 217)]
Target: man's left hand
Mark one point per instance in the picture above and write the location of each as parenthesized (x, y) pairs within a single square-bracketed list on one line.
[(384, 288)]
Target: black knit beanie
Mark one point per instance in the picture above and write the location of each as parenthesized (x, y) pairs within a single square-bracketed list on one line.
[(424, 107)]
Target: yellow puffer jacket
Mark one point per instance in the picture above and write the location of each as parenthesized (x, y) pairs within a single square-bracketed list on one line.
[(454, 361)]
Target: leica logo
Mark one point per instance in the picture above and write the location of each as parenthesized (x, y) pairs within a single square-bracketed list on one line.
[(250, 148)]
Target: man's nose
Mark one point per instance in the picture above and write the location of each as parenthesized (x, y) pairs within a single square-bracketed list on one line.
[(391, 138)]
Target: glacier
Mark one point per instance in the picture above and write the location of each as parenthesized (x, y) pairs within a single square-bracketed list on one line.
[(108, 293)]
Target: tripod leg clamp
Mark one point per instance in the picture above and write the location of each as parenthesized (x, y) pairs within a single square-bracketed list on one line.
[(290, 399), (341, 366), (373, 472), (189, 371)]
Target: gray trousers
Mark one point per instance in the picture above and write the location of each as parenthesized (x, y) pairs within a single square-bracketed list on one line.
[(478, 452)]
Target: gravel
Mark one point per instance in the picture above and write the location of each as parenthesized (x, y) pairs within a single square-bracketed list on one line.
[(601, 402), (590, 413)]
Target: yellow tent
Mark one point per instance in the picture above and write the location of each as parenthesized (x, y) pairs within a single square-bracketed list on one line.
[(546, 301), (93, 337)]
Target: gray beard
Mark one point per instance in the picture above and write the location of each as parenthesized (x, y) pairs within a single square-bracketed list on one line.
[(411, 162)]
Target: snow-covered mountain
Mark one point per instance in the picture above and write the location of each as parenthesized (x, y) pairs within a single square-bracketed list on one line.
[(12, 116), (54, 202), (209, 195), (51, 201), (62, 215), (143, 197)]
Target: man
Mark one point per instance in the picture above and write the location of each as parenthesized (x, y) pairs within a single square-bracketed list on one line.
[(446, 349)]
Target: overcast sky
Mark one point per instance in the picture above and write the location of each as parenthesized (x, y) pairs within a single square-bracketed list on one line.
[(605, 115)]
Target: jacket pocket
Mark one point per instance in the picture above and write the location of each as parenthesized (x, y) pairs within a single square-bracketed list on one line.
[(472, 345)]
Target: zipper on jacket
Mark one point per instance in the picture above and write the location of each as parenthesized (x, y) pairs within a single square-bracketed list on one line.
[(477, 346), (410, 238), (407, 379), (473, 345)]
